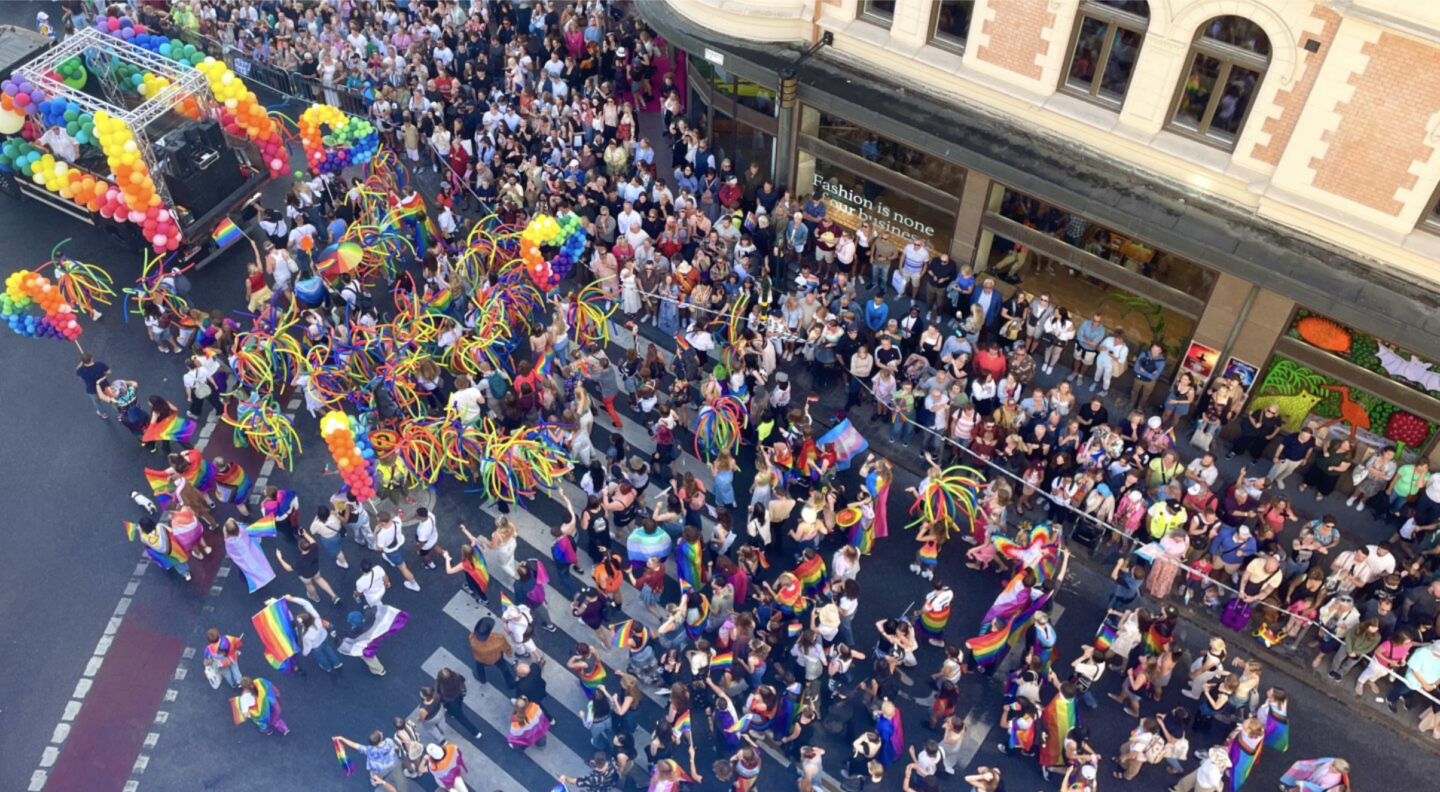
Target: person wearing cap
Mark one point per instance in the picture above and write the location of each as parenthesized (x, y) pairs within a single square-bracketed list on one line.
[(445, 764), (382, 760), (1230, 547), (1209, 776)]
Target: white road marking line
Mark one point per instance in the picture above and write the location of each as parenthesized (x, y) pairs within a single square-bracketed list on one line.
[(483, 772), (556, 758)]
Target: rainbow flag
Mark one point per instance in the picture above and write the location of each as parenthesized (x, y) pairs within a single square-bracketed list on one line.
[(226, 233), (1155, 641), (438, 302), (791, 599), (505, 601), (1058, 717), (263, 528), (237, 712), (794, 628), (933, 616), (1277, 727), (473, 562), (862, 536), (741, 726), (173, 428), (811, 572), (1105, 638), (132, 530), (563, 551), (161, 487), (593, 679), (232, 485), (260, 712), (990, 647), (722, 661), (201, 474), (929, 554), (277, 632), (342, 757), (1242, 760), (621, 635), (1268, 637), (689, 563), (162, 548), (682, 725)]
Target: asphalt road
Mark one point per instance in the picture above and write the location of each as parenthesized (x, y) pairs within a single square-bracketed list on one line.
[(97, 655)]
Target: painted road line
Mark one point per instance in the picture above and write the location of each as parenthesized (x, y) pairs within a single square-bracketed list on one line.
[(482, 772), (560, 682), (977, 731), (555, 758)]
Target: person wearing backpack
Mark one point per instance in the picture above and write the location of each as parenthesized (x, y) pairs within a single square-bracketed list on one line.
[(200, 388)]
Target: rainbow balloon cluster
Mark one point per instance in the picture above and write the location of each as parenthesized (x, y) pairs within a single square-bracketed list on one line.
[(26, 288), (352, 454), (245, 115), (137, 187), (566, 235), (351, 141), (17, 97), (68, 116)]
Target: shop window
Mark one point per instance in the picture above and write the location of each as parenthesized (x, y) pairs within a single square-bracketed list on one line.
[(1108, 35), (1306, 396), (742, 144), (1145, 322), (755, 96), (851, 200), (748, 94), (951, 26), (1119, 249), (934, 171), (1226, 65), (881, 12)]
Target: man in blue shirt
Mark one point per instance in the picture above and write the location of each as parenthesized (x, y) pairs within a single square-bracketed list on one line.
[(797, 236), (1230, 547), (1149, 364), (876, 313), (1088, 338), (989, 301)]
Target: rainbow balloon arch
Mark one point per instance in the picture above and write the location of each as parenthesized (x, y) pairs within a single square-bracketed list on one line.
[(143, 76)]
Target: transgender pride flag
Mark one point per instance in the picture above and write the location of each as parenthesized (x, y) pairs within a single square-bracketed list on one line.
[(848, 442)]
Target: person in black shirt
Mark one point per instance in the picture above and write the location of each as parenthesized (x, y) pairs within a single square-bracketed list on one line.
[(94, 374), (936, 280), (1257, 429), (1092, 415)]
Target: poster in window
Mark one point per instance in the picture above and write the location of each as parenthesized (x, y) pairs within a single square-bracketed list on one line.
[(1201, 360), (1242, 372)]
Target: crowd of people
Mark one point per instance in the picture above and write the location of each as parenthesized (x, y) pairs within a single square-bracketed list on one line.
[(541, 109)]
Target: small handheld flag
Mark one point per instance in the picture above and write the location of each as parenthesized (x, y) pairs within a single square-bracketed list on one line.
[(342, 757)]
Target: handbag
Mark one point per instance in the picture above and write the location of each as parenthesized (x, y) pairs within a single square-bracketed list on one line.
[(212, 676), (1011, 330), (1236, 614)]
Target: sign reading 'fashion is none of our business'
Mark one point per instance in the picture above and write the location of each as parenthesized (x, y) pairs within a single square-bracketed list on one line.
[(879, 214)]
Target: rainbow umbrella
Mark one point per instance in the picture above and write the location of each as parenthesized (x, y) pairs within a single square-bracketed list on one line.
[(339, 259)]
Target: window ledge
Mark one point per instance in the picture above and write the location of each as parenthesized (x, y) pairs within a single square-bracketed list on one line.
[(1424, 243), (1192, 151), (1088, 113)]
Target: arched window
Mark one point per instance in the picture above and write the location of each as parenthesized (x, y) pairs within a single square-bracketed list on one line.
[(1226, 64), (1108, 35)]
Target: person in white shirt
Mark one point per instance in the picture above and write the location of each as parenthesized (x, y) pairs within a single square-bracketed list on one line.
[(627, 219), (371, 584), (390, 540), (1111, 361), (427, 535)]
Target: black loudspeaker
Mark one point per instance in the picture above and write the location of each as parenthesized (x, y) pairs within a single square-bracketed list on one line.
[(211, 134), (202, 189), (178, 155)]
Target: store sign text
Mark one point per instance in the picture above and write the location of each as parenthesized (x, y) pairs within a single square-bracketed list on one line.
[(878, 214)]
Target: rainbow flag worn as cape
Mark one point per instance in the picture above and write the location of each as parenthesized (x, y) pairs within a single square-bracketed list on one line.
[(1156, 641), (160, 546), (260, 712), (593, 679), (263, 528), (276, 629), (473, 562), (935, 614), (1277, 727), (990, 647), (697, 611), (688, 563), (232, 485), (342, 757), (173, 428), (811, 573), (791, 599), (1058, 717), (1242, 760)]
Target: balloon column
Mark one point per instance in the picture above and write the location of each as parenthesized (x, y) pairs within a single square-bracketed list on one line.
[(137, 188), (352, 141), (16, 155), (25, 288), (67, 115), (566, 233), (353, 455)]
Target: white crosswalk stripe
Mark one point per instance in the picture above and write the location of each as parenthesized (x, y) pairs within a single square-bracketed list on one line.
[(482, 773), (555, 758)]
